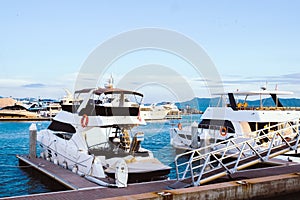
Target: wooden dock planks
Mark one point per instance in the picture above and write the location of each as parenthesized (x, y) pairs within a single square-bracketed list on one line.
[(65, 177), (84, 189)]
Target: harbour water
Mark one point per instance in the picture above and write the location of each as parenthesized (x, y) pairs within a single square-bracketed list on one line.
[(14, 139)]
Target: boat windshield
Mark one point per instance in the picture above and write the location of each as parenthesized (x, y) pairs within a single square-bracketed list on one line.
[(251, 100), (61, 127)]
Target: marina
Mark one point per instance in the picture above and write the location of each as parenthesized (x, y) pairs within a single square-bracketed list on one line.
[(87, 151), (158, 100), (97, 143), (79, 187), (28, 110)]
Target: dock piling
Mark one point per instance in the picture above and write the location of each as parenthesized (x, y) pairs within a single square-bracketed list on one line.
[(32, 140), (194, 133)]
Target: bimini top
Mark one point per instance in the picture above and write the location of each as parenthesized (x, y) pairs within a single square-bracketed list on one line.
[(259, 92), (99, 91)]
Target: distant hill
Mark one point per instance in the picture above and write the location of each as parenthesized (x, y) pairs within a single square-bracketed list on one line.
[(203, 103), (292, 102), (197, 103)]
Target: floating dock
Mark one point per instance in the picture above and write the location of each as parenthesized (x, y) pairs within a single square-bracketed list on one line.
[(65, 177), (253, 183)]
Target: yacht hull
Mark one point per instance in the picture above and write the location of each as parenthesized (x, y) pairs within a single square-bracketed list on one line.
[(72, 155)]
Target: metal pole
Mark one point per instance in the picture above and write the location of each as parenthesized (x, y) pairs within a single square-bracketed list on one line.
[(32, 140)]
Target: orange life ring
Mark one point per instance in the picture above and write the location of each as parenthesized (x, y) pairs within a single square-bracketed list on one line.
[(223, 131), (179, 126), (84, 120), (139, 117)]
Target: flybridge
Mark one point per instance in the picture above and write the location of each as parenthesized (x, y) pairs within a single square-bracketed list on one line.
[(105, 102), (100, 91), (236, 104)]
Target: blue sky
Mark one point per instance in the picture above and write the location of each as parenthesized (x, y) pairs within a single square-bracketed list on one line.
[(45, 43)]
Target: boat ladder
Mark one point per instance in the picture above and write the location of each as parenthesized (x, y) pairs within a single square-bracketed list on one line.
[(205, 164)]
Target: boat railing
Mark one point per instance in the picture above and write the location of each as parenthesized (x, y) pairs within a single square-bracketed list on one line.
[(216, 160)]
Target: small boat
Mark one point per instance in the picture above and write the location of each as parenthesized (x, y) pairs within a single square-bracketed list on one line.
[(46, 107), (235, 117), (93, 137)]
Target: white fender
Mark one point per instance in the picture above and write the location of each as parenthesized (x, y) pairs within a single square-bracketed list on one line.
[(55, 161), (42, 154), (75, 169), (97, 168), (121, 175)]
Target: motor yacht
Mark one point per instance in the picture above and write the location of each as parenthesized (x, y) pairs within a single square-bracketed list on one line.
[(159, 111), (236, 116), (94, 137)]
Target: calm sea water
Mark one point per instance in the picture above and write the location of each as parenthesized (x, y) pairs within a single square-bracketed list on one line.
[(14, 139)]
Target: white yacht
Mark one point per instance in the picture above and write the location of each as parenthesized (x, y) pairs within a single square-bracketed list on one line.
[(160, 111), (174, 112), (233, 117), (45, 107), (68, 100), (51, 109), (93, 137)]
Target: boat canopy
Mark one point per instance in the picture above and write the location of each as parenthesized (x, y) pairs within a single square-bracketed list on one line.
[(99, 91), (259, 92)]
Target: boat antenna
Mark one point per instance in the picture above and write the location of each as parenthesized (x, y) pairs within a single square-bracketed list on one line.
[(110, 82)]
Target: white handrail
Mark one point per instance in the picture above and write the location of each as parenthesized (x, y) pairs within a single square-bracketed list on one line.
[(216, 160)]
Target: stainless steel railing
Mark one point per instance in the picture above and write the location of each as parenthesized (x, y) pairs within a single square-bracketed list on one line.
[(211, 162)]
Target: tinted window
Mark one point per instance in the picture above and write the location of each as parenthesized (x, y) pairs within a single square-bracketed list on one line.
[(61, 126), (216, 124)]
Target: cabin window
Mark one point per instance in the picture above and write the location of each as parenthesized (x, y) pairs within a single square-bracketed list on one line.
[(217, 124), (261, 125), (65, 136), (61, 126)]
